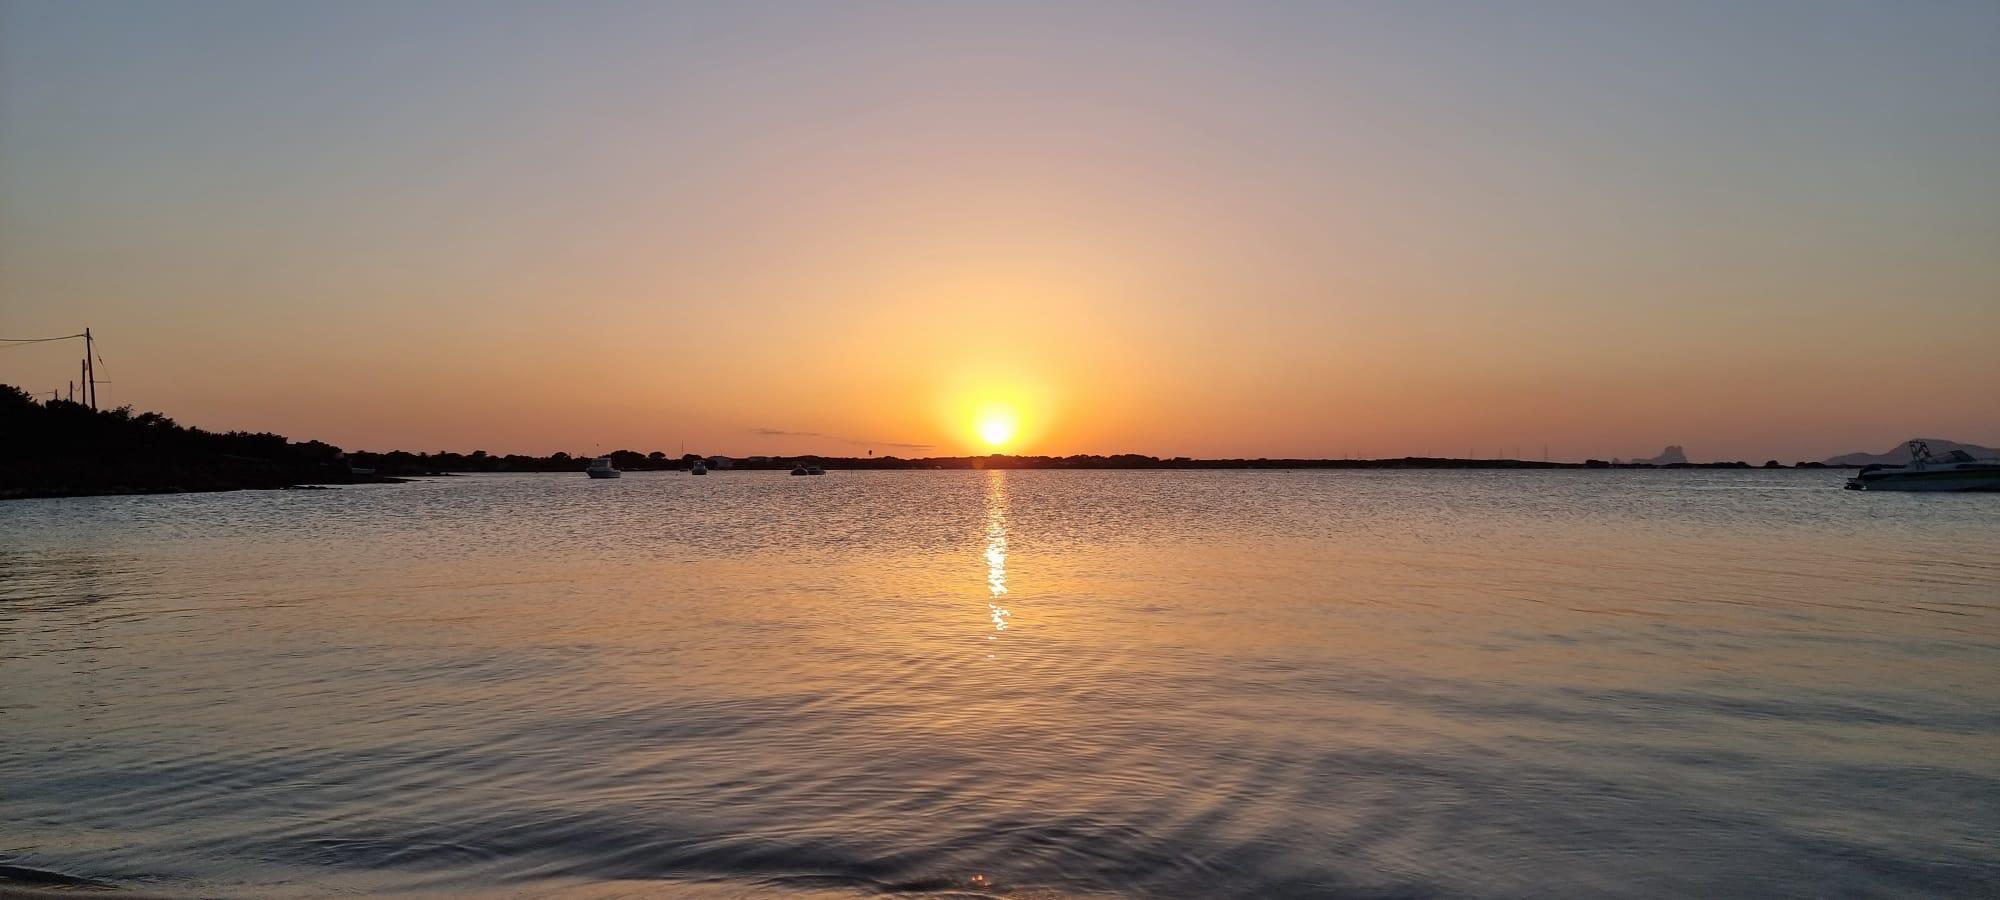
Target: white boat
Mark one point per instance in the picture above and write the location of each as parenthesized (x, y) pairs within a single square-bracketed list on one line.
[(601, 468), (697, 468), (1955, 471), (815, 470), (800, 469)]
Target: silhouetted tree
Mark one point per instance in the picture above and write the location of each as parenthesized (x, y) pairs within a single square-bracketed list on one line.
[(63, 448)]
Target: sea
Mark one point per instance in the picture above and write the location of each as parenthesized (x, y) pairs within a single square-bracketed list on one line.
[(1036, 684)]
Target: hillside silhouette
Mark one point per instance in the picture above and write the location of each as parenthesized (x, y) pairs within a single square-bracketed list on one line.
[(1900, 454)]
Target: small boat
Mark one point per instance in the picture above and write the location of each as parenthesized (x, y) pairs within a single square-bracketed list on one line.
[(697, 468), (800, 469), (1955, 471), (601, 468), (815, 470)]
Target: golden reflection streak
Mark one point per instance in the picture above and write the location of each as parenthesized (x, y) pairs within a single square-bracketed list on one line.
[(996, 550)]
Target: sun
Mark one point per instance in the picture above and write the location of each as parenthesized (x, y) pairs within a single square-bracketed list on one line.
[(997, 426), (990, 410)]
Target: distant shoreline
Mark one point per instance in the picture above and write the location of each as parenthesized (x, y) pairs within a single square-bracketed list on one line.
[(955, 464), (67, 449), (1038, 463), (406, 464)]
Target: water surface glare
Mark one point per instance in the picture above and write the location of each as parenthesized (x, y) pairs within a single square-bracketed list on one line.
[(1034, 684)]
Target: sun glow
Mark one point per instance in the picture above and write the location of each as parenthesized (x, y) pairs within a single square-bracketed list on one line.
[(991, 408), (997, 426)]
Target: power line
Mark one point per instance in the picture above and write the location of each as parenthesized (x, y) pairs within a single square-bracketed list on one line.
[(90, 358), (66, 337)]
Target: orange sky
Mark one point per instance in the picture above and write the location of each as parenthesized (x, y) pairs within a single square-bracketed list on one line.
[(1205, 231)]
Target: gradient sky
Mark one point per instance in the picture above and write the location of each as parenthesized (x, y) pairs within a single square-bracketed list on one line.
[(1756, 229)]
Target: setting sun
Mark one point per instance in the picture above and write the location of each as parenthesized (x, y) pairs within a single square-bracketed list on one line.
[(997, 426), (989, 406)]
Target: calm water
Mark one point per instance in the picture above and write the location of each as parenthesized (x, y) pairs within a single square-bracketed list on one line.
[(1043, 684)]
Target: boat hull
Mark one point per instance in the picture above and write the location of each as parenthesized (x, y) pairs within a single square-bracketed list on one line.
[(1962, 480), (603, 474)]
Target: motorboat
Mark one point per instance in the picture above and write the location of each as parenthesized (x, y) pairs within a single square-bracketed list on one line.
[(801, 469), (1954, 471), (697, 468), (601, 468), (815, 470)]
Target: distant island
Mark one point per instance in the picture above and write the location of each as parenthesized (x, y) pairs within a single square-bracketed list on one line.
[(1672, 456), (1900, 454), (64, 449)]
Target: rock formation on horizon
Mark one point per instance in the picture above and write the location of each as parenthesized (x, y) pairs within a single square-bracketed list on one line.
[(1900, 454), (1671, 456)]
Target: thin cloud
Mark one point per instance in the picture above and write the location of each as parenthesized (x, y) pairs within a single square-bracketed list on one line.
[(781, 432)]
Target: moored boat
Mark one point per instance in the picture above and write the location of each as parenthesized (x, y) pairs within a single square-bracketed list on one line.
[(601, 468), (1955, 471)]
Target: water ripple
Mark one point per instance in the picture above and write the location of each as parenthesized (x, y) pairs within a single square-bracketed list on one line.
[(1027, 684)]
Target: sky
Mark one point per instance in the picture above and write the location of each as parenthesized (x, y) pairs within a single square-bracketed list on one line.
[(1755, 229)]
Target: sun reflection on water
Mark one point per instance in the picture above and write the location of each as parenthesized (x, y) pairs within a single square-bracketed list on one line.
[(996, 550)]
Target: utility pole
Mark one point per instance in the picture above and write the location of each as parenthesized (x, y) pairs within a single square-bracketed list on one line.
[(90, 369)]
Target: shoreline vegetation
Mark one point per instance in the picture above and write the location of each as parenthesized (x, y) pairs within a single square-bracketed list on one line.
[(64, 449)]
